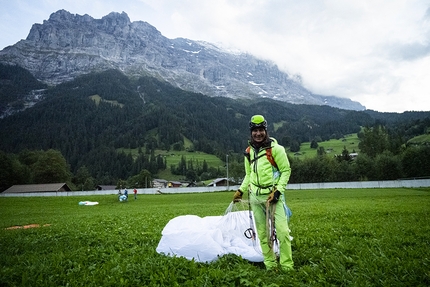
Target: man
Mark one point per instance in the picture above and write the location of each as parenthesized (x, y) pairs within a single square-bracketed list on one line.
[(267, 173)]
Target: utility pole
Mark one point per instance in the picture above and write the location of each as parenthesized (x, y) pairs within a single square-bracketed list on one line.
[(228, 182)]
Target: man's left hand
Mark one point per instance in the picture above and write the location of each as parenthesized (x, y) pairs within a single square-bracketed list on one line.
[(274, 196)]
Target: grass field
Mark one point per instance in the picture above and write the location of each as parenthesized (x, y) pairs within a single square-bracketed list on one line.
[(365, 237), (333, 146)]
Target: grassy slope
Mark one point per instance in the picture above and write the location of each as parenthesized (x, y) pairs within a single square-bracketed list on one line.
[(365, 237), (174, 157), (420, 139), (333, 146)]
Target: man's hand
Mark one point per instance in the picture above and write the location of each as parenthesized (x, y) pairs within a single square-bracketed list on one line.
[(237, 196), (274, 196)]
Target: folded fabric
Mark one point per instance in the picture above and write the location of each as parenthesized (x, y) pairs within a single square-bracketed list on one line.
[(88, 203), (208, 238)]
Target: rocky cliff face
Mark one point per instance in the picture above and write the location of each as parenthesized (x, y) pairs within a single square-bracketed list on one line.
[(67, 45)]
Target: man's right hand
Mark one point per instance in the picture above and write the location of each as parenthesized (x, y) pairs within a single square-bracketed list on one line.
[(237, 196)]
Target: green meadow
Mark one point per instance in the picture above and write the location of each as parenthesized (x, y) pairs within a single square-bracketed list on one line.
[(331, 147), (174, 157), (342, 237)]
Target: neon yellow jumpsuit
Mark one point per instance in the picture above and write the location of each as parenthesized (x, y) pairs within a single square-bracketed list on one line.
[(259, 180)]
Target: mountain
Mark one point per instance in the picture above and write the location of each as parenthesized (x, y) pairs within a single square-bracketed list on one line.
[(108, 108), (98, 113), (67, 46), (19, 90), (95, 119)]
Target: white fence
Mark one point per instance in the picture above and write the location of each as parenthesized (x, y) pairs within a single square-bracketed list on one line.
[(363, 184), (412, 183), (170, 190)]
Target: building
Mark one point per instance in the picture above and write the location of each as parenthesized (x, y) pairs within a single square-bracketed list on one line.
[(159, 183), (174, 184), (105, 187), (219, 182), (46, 187)]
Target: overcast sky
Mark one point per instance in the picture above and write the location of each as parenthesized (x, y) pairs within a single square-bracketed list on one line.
[(376, 52)]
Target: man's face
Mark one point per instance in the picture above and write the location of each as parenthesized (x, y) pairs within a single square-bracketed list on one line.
[(258, 135)]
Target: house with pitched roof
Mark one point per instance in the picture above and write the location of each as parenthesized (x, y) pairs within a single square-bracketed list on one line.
[(30, 188), (219, 182), (106, 187)]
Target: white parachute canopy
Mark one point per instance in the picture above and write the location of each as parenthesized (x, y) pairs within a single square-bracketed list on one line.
[(205, 239)]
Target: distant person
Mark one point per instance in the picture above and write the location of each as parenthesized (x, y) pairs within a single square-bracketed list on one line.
[(266, 178), (126, 193), (135, 193), (122, 197)]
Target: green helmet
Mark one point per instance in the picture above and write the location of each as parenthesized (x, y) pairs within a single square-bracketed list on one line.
[(257, 121)]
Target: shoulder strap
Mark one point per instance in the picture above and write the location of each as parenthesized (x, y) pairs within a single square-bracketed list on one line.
[(268, 155), (247, 153)]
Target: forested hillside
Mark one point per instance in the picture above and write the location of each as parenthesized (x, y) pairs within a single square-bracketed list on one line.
[(15, 85), (89, 119)]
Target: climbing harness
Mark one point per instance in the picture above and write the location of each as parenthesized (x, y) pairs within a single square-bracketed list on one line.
[(270, 225), (250, 232)]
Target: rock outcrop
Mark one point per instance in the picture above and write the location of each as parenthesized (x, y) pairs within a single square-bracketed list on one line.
[(68, 45)]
